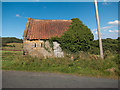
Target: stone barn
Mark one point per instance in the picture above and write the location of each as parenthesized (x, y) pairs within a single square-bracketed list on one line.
[(37, 34)]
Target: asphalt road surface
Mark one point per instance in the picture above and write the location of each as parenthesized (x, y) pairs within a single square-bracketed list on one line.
[(21, 79)]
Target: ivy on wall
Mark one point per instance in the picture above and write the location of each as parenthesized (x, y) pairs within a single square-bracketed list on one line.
[(46, 48), (77, 38)]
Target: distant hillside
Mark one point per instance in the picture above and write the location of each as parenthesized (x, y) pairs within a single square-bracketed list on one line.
[(6, 40), (109, 45)]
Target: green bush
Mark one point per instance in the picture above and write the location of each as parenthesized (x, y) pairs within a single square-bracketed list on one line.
[(110, 45), (76, 38)]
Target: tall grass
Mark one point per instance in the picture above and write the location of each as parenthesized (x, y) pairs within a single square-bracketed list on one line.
[(81, 64)]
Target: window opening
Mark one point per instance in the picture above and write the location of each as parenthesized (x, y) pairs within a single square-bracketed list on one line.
[(35, 45)]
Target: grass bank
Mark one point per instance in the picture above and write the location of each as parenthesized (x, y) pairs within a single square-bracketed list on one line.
[(87, 66)]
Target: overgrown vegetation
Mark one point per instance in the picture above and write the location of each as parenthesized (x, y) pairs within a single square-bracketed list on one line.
[(51, 43), (83, 64), (46, 48), (77, 38)]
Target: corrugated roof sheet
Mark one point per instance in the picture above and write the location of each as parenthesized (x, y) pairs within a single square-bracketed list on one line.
[(45, 29)]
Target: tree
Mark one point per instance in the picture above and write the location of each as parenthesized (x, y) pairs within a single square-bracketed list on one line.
[(77, 38)]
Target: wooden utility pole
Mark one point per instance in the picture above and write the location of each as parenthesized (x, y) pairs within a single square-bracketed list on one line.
[(98, 28)]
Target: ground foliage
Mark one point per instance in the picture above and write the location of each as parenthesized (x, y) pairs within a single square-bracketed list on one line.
[(84, 64)]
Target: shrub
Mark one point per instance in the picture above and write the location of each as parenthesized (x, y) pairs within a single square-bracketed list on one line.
[(76, 38)]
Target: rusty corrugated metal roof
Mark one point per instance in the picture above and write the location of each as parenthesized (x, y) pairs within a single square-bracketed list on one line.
[(45, 29)]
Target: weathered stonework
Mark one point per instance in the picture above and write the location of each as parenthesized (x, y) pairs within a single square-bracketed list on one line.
[(42, 49), (38, 32), (57, 50)]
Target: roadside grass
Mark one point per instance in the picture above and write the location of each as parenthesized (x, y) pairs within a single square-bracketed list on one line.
[(88, 66)]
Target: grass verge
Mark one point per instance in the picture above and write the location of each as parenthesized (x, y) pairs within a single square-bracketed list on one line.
[(14, 60)]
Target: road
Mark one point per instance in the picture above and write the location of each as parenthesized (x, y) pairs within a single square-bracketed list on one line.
[(21, 79)]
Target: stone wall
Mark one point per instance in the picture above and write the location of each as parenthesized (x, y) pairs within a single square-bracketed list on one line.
[(57, 50), (40, 48)]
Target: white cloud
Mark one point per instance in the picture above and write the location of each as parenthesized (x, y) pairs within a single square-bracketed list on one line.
[(17, 15), (107, 27), (117, 30), (106, 2), (96, 32), (103, 28), (111, 31), (116, 22), (114, 31)]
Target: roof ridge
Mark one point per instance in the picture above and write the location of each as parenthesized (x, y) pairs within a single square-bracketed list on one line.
[(49, 19)]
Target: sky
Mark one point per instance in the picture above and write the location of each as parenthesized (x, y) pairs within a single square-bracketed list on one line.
[(15, 15), (59, 0)]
